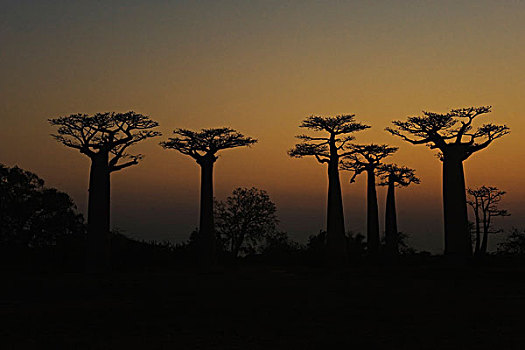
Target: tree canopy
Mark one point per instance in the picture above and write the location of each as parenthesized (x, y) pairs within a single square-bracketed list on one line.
[(401, 176), (337, 127), (31, 214), (365, 157), (245, 219), (112, 133), (486, 199), (452, 130), (207, 142)]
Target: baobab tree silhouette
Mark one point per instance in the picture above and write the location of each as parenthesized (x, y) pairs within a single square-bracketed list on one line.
[(330, 149), (367, 158), (485, 205), (394, 176), (452, 133), (203, 146), (105, 139)]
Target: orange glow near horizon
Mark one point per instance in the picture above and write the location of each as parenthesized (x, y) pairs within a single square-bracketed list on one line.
[(261, 68)]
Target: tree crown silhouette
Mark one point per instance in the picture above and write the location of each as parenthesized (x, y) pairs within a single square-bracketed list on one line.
[(33, 215), (450, 130), (245, 218), (401, 176), (109, 132), (337, 127), (207, 142), (365, 157), (487, 198)]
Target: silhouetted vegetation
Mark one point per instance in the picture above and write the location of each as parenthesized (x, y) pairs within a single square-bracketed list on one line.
[(394, 176), (485, 205), (41, 231), (258, 272), (203, 147), (368, 158), (330, 149), (244, 220), (514, 244), (244, 225), (105, 138), (452, 133), (32, 215), (39, 226), (278, 249)]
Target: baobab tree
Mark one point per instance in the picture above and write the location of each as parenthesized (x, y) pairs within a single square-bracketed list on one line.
[(394, 176), (368, 158), (105, 138), (330, 149), (485, 205), (453, 134), (203, 146)]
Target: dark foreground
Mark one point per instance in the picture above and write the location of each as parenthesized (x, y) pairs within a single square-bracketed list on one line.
[(267, 308)]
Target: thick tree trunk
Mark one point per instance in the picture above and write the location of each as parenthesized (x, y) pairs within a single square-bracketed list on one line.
[(206, 225), (97, 254), (391, 235), (372, 215), (457, 236), (335, 224)]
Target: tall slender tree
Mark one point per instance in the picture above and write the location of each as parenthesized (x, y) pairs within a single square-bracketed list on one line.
[(105, 138), (453, 134), (330, 149), (485, 205), (368, 158), (203, 146), (394, 176)]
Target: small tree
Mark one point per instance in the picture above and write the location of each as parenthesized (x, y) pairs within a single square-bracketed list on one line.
[(367, 158), (394, 176), (245, 219), (330, 149), (452, 133), (203, 146), (105, 138), (484, 202)]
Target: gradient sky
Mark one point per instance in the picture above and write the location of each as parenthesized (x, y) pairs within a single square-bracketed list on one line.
[(261, 67)]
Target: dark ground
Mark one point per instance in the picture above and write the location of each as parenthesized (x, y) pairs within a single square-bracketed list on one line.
[(267, 308)]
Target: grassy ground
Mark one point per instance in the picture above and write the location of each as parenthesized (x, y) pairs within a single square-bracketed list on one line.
[(267, 308)]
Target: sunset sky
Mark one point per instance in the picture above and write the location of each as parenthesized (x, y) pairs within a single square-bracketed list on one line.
[(261, 67)]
